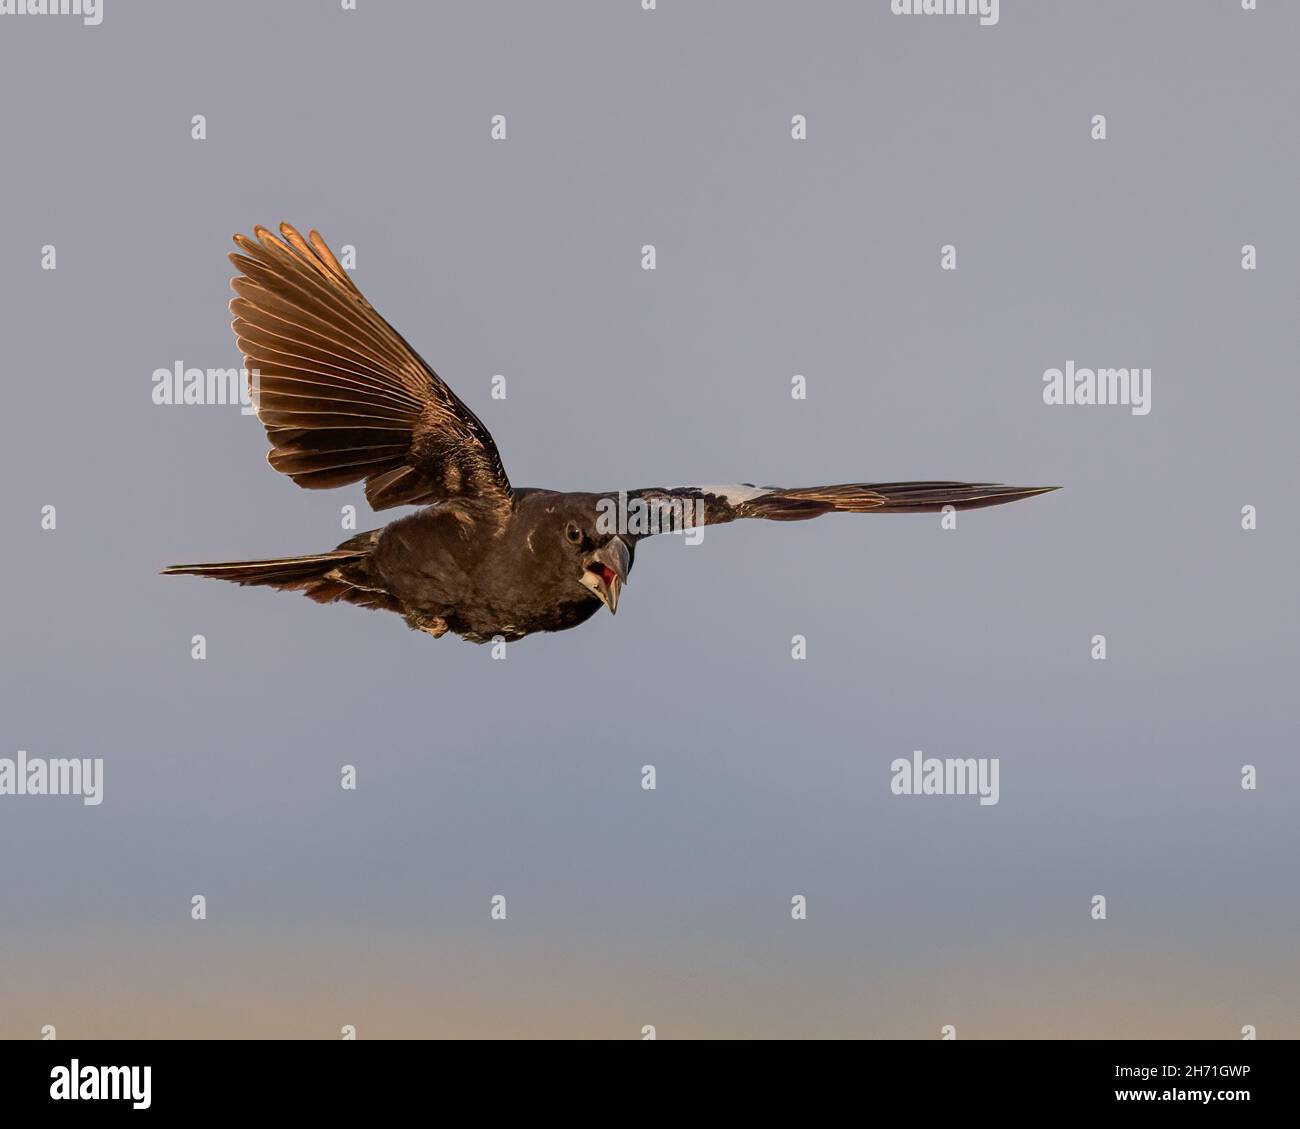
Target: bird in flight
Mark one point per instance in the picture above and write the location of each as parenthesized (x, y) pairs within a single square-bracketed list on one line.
[(345, 399)]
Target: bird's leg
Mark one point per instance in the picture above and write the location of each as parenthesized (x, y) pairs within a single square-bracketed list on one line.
[(430, 624)]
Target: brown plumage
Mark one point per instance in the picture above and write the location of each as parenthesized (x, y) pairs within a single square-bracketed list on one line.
[(342, 395), (345, 399)]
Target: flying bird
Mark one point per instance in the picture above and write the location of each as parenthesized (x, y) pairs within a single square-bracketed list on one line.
[(345, 399)]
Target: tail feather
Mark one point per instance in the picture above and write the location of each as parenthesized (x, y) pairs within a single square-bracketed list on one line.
[(339, 574), (279, 572)]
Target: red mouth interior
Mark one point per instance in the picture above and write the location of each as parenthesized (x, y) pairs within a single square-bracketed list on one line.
[(605, 573)]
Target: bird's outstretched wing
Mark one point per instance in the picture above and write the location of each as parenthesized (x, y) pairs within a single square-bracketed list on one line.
[(342, 395), (714, 505)]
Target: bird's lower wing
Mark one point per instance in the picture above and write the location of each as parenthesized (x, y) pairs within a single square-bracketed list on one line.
[(714, 505)]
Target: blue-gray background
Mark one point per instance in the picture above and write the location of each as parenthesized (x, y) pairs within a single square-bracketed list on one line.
[(521, 778)]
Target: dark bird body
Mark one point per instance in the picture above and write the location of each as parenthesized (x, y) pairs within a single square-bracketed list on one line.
[(516, 581), (344, 399)]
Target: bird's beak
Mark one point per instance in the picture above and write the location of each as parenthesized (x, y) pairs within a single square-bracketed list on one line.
[(605, 572)]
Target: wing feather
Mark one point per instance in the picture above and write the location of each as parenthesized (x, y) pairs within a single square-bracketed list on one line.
[(342, 395), (721, 504)]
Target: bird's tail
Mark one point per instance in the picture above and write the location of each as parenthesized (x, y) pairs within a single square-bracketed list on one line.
[(325, 577), (884, 498)]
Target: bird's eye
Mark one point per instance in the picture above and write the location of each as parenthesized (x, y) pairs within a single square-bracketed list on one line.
[(573, 533)]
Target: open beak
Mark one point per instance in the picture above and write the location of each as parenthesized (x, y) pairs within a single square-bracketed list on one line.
[(605, 572)]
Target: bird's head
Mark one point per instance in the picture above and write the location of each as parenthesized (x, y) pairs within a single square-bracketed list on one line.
[(597, 560)]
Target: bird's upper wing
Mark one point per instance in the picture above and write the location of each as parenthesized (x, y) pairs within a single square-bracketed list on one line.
[(342, 395), (689, 506)]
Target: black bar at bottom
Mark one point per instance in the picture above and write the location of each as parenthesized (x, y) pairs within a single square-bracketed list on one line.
[(363, 1077)]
